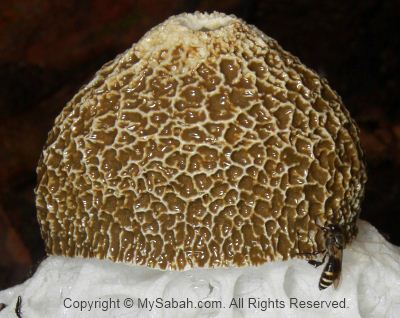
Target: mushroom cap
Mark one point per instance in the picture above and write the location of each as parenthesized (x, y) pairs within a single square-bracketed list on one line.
[(205, 144)]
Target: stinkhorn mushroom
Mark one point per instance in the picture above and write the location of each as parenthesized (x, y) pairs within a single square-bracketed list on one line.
[(203, 145)]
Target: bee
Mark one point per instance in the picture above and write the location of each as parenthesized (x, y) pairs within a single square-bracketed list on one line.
[(334, 245)]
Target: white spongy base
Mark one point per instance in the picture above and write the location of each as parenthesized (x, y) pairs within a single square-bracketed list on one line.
[(370, 286)]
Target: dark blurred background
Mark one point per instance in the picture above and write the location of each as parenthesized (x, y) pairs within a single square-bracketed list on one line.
[(49, 49)]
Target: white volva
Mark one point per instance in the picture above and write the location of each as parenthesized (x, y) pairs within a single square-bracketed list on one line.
[(370, 287)]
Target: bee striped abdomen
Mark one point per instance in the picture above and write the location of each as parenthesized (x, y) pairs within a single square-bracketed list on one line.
[(326, 280), (331, 272)]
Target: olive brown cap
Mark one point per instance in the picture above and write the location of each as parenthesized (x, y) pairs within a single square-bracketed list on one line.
[(203, 145)]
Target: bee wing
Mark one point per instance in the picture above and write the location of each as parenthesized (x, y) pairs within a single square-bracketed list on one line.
[(338, 267)]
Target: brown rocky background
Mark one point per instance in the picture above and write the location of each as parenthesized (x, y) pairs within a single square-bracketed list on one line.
[(48, 49)]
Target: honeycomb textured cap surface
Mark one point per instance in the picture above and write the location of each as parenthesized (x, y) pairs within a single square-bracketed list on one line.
[(205, 144)]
